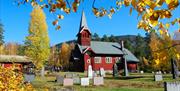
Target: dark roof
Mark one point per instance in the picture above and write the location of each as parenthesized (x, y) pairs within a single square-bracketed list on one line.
[(14, 58), (110, 48)]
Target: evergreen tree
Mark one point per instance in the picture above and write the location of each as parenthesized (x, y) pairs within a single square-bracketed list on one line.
[(96, 37), (140, 47), (105, 38), (112, 38), (1, 34), (37, 42), (128, 45)]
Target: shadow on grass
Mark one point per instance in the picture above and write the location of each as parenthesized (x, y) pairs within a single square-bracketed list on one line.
[(124, 78)]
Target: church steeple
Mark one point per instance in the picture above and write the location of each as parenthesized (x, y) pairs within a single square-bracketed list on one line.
[(83, 22), (84, 35)]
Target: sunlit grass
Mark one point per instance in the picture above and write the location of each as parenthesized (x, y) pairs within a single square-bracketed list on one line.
[(135, 82)]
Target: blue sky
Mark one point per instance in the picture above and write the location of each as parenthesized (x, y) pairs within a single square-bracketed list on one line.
[(16, 20)]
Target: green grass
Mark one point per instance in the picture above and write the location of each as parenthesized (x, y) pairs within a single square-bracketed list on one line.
[(135, 82)]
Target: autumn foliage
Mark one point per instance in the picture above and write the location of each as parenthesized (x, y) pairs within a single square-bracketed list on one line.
[(13, 81), (37, 42), (162, 50), (150, 12)]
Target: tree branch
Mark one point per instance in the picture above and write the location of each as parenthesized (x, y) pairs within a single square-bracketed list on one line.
[(166, 48)]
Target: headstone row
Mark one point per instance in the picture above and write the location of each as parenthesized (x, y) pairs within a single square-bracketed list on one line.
[(77, 80), (172, 86)]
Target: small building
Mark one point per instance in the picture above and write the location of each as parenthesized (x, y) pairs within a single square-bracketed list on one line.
[(99, 54), (18, 61)]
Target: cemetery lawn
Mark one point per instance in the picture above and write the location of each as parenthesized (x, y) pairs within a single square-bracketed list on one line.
[(135, 82)]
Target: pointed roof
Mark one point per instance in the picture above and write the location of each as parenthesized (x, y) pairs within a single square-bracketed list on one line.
[(83, 23)]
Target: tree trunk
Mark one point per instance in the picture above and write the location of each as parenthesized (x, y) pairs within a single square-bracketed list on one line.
[(42, 71)]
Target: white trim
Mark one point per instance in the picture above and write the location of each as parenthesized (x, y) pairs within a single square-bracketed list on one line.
[(108, 59), (97, 60), (86, 49), (85, 28)]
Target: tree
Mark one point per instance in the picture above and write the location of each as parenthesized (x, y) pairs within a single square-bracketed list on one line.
[(65, 55), (1, 34), (162, 51), (11, 48), (128, 45), (37, 42), (21, 50), (105, 38), (150, 12), (140, 47), (95, 37), (112, 38)]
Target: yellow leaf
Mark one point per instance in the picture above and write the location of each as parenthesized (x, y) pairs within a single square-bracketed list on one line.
[(168, 1), (130, 12), (127, 2), (167, 25), (161, 32), (153, 23), (159, 3), (133, 2), (60, 16)]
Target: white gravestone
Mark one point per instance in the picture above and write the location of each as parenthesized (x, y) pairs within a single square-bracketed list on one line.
[(90, 72), (141, 72), (84, 81), (98, 81), (172, 86), (102, 72), (158, 77)]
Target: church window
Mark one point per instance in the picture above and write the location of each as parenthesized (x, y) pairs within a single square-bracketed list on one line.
[(88, 61), (108, 59), (97, 60)]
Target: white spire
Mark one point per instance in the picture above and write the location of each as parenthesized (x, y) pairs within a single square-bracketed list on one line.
[(83, 22)]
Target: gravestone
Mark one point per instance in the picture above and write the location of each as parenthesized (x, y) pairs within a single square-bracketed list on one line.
[(94, 74), (90, 72), (158, 77), (84, 81), (102, 72), (29, 77), (68, 82), (69, 75), (172, 86), (59, 79), (175, 71), (115, 71), (141, 72), (98, 81), (76, 80)]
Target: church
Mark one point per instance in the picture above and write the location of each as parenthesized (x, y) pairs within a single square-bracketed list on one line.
[(99, 54)]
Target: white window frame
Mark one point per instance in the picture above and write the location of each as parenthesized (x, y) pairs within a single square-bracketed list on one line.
[(97, 59), (108, 59)]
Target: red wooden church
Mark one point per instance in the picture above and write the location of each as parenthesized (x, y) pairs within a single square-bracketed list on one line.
[(98, 54)]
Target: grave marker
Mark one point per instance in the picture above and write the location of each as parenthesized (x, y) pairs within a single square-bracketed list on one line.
[(90, 72), (59, 79), (98, 81), (76, 80), (102, 72), (68, 82), (158, 77), (84, 81)]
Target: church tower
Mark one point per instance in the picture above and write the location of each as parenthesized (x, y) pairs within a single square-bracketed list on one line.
[(84, 34)]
